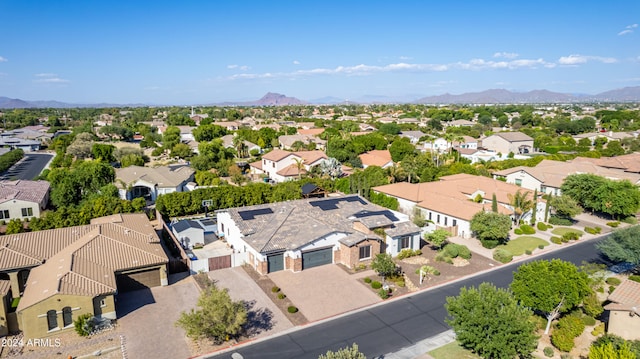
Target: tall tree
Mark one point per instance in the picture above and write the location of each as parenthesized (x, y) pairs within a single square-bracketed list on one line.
[(491, 228), (550, 287), (489, 321), (521, 202), (622, 245)]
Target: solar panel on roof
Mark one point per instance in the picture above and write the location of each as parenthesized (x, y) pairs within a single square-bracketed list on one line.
[(385, 213), (208, 222), (332, 203), (251, 214)]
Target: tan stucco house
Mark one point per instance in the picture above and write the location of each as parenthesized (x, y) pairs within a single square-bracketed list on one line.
[(509, 142), (624, 310), (59, 274), (150, 182)]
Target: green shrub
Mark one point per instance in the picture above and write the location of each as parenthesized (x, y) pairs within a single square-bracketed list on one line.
[(541, 226), (443, 257), (275, 289), (489, 244), (595, 230), (376, 285), (559, 221), (528, 252), (405, 253), (562, 339), (367, 280), (588, 321), (572, 324), (383, 293), (292, 309), (400, 283), (635, 278), (613, 281), (464, 252), (83, 324), (527, 229), (548, 352), (571, 236), (611, 289), (613, 224), (630, 220), (556, 240), (540, 246), (518, 231), (502, 255), (600, 290), (281, 296), (451, 250), (598, 330)]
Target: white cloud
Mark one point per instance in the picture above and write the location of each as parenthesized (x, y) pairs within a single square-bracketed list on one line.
[(574, 60), (49, 78), (3, 59), (296, 62), (628, 29), (506, 55), (405, 58), (239, 67)]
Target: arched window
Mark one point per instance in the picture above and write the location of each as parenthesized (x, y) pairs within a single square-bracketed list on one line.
[(52, 319), (67, 320)]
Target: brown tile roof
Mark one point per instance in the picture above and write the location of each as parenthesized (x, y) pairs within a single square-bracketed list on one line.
[(311, 157), (5, 285), (310, 131), (88, 265), (276, 155), (625, 297), (30, 191), (514, 136), (256, 164), (375, 158), (628, 163), (290, 171), (163, 176)]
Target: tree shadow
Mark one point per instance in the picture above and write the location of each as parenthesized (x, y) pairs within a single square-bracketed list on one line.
[(258, 319)]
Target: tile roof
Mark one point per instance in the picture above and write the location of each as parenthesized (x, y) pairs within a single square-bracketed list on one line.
[(310, 131), (291, 170), (375, 158), (626, 296), (357, 237), (402, 229), (513, 136), (552, 173), (30, 191), (276, 155), (278, 226), (186, 224), (87, 265), (163, 176), (627, 163), (5, 285)]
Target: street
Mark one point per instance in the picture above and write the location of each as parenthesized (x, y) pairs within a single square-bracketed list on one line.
[(392, 326), (28, 168)]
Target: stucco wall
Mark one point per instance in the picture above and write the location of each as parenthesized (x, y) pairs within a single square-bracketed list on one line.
[(623, 325), (15, 209)]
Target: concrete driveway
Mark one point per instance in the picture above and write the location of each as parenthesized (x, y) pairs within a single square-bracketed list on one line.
[(147, 319), (324, 291), (264, 316)]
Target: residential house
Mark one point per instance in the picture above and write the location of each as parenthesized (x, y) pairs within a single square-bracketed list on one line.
[(436, 145), (12, 142), (287, 141), (32, 133), (413, 136), (459, 123), (60, 274), (608, 135), (365, 127), (23, 199), (380, 158), (475, 155), (150, 182), (310, 131), (227, 142), (467, 142), (509, 142), (346, 230), (188, 232), (547, 177), (281, 166), (451, 202), (627, 163), (229, 125), (624, 310)]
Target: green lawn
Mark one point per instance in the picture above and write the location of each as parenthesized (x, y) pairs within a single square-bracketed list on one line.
[(452, 351), (519, 246), (559, 231)]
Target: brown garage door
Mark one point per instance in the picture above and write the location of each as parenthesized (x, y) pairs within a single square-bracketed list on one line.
[(219, 262), (143, 279)]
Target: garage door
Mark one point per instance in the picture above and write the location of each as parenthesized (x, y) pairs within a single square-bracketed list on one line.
[(138, 280), (275, 262), (317, 258)]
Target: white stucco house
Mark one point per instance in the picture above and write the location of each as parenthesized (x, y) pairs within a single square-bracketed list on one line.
[(280, 165), (301, 234)]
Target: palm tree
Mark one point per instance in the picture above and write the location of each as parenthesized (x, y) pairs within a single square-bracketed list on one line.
[(521, 203), (299, 166)]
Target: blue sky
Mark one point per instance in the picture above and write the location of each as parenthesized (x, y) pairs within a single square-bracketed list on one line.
[(201, 52)]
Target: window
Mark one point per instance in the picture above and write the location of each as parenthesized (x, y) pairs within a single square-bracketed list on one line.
[(365, 252), (4, 214), (518, 182), (52, 319), (438, 219), (67, 319), (27, 212), (404, 242), (430, 213), (103, 303), (455, 222), (445, 220)]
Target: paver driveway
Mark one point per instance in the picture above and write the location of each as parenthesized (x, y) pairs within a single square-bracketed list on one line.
[(264, 316), (147, 319), (324, 291)]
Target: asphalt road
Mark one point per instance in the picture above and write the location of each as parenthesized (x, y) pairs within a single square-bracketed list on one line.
[(28, 168), (395, 325)]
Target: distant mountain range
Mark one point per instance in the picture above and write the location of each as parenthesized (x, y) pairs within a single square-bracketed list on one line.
[(495, 96)]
